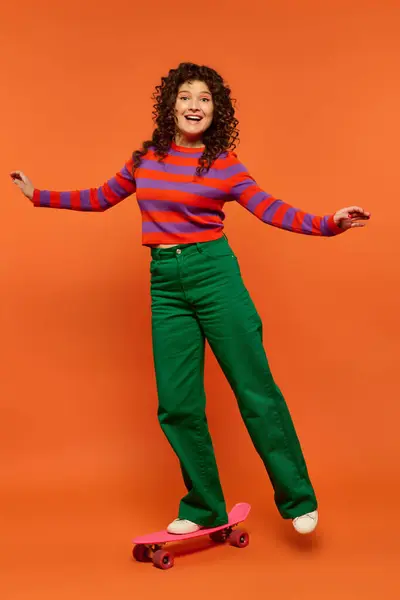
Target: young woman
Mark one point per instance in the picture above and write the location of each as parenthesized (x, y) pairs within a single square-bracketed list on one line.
[(182, 178)]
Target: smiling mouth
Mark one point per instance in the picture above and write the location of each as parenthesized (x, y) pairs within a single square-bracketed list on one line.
[(193, 119)]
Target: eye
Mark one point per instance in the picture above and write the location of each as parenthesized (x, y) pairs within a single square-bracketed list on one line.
[(183, 97), (206, 99)]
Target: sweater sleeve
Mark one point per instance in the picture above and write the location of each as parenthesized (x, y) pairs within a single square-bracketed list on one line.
[(270, 210), (97, 199)]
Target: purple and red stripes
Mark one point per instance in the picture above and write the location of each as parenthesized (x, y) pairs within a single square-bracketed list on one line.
[(177, 206)]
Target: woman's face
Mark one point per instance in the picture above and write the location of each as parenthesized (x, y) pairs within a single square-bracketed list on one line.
[(193, 112)]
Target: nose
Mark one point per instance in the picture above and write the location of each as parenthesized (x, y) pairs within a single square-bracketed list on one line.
[(193, 105)]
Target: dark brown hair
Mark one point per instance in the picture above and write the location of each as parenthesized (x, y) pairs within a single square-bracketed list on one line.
[(219, 137)]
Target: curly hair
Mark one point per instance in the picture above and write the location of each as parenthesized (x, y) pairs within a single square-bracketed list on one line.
[(222, 134)]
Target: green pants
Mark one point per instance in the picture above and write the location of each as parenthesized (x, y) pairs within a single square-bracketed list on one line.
[(197, 294)]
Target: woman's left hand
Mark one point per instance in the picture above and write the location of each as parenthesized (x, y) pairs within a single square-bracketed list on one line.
[(352, 216)]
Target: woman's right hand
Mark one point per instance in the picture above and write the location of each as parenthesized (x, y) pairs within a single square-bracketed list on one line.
[(24, 184)]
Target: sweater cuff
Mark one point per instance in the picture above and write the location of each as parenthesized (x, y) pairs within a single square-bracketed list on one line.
[(335, 229), (36, 197)]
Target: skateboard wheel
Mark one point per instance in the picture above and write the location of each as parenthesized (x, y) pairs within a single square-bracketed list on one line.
[(163, 559), (141, 553), (239, 538)]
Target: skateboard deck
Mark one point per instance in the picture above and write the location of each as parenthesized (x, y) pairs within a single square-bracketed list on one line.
[(150, 547)]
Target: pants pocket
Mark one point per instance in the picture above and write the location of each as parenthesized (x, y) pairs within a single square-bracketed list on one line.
[(217, 249), (153, 265)]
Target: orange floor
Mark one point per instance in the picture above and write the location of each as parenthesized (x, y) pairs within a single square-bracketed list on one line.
[(70, 544)]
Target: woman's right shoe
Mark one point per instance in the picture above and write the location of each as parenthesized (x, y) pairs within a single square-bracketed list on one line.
[(182, 526)]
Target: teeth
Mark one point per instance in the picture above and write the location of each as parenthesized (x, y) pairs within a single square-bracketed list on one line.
[(193, 118)]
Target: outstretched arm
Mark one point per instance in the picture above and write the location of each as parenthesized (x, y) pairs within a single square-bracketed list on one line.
[(97, 199), (268, 209)]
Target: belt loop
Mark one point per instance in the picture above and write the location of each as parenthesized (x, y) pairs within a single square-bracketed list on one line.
[(199, 247)]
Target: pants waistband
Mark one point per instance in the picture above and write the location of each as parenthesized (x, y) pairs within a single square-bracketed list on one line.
[(158, 253)]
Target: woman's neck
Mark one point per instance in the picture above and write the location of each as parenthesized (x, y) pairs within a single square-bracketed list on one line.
[(185, 142)]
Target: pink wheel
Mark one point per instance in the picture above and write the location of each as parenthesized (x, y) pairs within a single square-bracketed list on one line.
[(163, 559), (239, 538), (141, 553)]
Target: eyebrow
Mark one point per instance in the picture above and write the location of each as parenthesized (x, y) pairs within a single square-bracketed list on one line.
[(188, 92)]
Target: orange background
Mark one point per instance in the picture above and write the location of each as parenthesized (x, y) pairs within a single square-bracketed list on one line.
[(84, 465)]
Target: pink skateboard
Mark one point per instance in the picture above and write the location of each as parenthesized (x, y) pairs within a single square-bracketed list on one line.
[(150, 547)]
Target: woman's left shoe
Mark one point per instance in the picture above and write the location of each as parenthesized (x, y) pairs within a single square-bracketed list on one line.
[(306, 523)]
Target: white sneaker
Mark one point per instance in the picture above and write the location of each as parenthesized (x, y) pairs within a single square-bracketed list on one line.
[(306, 523), (181, 526)]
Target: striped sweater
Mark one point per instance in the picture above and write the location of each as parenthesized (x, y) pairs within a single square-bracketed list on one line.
[(178, 207)]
